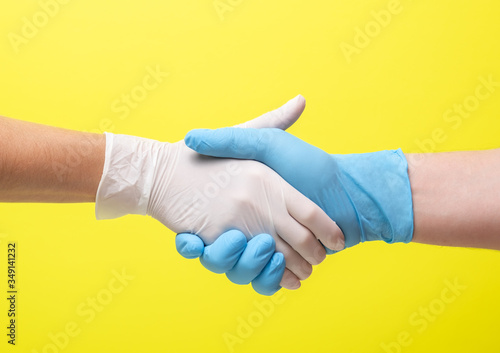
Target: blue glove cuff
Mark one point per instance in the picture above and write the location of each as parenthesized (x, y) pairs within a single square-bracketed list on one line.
[(376, 187)]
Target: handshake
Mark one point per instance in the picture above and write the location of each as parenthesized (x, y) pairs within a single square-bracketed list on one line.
[(255, 202)]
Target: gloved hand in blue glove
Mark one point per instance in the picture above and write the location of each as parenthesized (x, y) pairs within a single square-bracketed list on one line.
[(368, 194), (242, 262)]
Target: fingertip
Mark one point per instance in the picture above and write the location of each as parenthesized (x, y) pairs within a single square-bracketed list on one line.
[(290, 112), (330, 251), (319, 256), (295, 286), (234, 238), (267, 282), (194, 137), (265, 241), (253, 260), (335, 239), (339, 237), (189, 245), (255, 257), (265, 291), (278, 260), (223, 254), (298, 100), (289, 280), (301, 100)]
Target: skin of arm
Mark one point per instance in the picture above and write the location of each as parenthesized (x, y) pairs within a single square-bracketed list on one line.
[(456, 198), (40, 163)]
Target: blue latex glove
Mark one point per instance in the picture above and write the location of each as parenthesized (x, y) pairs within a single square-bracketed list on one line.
[(368, 194), (242, 262)]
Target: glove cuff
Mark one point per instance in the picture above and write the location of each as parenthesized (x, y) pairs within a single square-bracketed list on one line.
[(127, 177), (379, 188)]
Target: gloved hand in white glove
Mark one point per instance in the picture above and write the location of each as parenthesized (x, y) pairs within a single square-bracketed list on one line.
[(207, 196)]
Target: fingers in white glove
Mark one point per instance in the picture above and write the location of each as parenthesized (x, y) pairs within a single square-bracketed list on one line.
[(318, 222), (294, 262), (289, 280), (302, 241)]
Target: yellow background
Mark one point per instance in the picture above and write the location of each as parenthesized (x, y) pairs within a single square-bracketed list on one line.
[(224, 69)]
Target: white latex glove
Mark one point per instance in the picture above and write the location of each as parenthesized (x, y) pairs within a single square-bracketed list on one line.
[(188, 192)]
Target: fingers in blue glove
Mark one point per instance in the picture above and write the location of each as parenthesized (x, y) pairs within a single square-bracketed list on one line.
[(224, 253), (254, 258), (268, 282), (189, 245), (254, 262)]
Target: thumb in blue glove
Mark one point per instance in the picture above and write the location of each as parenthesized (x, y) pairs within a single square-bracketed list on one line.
[(368, 194)]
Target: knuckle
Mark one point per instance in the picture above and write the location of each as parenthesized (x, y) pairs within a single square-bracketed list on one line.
[(285, 250), (310, 215), (302, 240), (231, 220), (242, 201), (256, 172)]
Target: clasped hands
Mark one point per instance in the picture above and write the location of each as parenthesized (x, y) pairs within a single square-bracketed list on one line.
[(267, 211)]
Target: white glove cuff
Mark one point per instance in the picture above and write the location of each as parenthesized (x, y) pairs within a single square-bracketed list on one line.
[(127, 176)]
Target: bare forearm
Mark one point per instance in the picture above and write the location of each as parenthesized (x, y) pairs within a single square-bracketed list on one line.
[(40, 163), (456, 198)]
